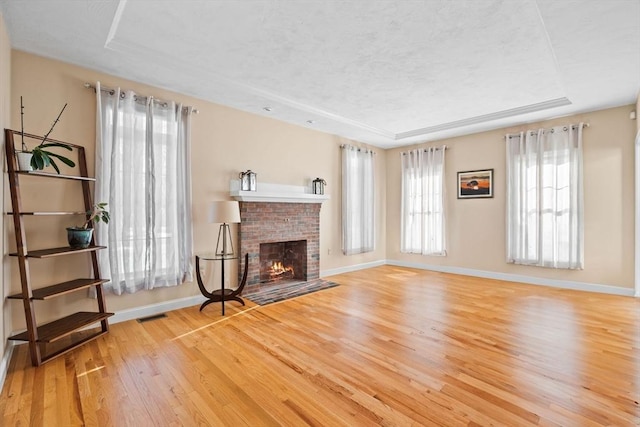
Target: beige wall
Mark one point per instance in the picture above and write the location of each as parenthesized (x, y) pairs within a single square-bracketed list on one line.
[(5, 92), (476, 227), (224, 142)]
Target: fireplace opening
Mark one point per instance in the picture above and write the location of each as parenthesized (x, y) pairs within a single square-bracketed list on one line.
[(280, 261)]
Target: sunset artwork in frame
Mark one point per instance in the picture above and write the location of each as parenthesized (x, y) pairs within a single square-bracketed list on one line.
[(475, 184)]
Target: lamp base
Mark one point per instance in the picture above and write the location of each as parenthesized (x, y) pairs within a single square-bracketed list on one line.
[(224, 234)]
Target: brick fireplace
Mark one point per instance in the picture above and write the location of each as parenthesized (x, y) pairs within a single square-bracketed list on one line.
[(287, 224)]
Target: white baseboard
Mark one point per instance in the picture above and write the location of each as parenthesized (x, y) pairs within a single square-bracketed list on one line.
[(4, 363), (530, 280), (350, 268), (151, 309)]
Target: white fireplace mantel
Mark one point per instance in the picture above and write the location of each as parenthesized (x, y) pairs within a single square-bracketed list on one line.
[(276, 193)]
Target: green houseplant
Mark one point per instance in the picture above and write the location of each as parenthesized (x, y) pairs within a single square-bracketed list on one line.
[(40, 157), (79, 237)]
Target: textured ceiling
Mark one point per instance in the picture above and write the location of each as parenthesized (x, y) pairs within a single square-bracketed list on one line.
[(388, 73)]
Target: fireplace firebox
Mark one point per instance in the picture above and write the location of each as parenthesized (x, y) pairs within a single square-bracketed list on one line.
[(283, 261)]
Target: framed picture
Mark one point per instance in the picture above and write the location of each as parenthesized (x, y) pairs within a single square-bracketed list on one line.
[(475, 184)]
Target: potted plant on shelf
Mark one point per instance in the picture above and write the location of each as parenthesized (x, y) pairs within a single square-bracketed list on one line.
[(79, 237), (40, 157)]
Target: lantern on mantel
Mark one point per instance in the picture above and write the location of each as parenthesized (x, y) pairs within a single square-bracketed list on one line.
[(318, 186), (248, 181)]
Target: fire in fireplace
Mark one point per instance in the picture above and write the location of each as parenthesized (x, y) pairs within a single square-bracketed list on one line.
[(279, 271), (283, 261)]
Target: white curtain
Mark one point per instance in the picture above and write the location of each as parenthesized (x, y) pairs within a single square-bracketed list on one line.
[(545, 198), (358, 228), (423, 208), (142, 172)]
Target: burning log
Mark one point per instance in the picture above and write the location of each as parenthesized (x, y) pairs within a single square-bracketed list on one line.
[(278, 269)]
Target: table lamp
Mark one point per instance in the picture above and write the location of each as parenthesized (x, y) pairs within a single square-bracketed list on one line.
[(224, 213)]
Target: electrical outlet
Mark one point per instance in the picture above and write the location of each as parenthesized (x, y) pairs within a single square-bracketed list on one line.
[(328, 251)]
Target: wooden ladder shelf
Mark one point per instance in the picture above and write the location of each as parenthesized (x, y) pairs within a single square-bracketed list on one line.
[(39, 335)]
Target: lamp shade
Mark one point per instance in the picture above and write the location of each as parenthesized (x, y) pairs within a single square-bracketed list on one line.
[(224, 212)]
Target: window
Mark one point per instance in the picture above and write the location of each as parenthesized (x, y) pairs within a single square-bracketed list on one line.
[(357, 200), (544, 198), (423, 213), (142, 173)]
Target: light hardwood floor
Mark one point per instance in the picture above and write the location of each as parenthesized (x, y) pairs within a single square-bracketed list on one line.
[(391, 346)]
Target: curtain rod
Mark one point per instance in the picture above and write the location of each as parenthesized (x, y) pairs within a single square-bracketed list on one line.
[(564, 129), (111, 91), (404, 153), (366, 150)]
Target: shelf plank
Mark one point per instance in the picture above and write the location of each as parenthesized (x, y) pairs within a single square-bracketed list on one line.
[(61, 288), (55, 175), (65, 250), (72, 346), (48, 213), (39, 138), (60, 328)]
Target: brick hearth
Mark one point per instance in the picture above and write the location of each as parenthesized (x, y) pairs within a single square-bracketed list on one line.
[(265, 222)]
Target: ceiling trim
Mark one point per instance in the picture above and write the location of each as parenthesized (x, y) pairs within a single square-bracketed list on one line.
[(115, 22), (531, 108), (307, 108)]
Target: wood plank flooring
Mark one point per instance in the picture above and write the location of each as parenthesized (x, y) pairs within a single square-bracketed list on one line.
[(390, 346)]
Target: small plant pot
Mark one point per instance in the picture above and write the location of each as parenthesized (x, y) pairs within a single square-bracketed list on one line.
[(24, 160), (79, 238)]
